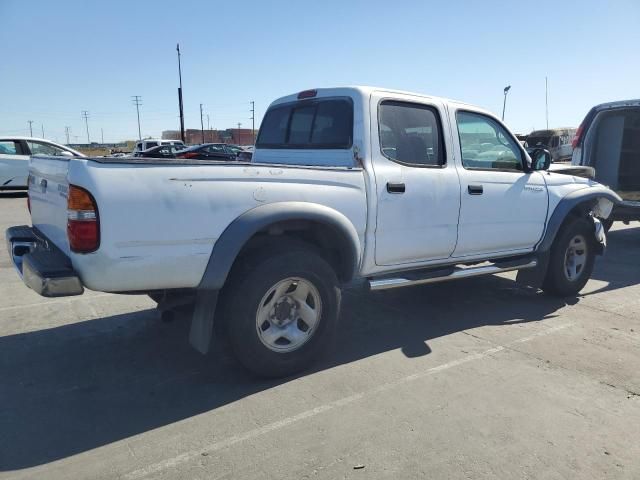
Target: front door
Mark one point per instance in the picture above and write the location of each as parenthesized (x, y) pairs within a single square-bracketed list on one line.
[(503, 208), (417, 187)]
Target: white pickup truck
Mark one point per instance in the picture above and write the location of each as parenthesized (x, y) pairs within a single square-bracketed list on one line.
[(348, 186)]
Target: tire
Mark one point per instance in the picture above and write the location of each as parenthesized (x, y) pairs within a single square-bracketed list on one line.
[(264, 302), (571, 259)]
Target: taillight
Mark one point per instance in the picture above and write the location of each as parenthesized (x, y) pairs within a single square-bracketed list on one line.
[(576, 139), (83, 226)]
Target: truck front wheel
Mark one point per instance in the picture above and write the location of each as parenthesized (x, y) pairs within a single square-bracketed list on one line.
[(281, 310), (572, 258)]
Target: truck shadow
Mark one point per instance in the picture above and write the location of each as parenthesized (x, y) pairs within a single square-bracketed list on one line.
[(76, 387)]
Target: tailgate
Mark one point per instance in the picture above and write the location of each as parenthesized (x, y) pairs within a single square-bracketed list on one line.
[(48, 188)]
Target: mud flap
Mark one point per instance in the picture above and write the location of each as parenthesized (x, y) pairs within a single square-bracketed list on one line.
[(600, 234), (202, 320), (533, 277)]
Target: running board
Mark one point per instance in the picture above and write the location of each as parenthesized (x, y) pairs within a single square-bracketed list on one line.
[(453, 273)]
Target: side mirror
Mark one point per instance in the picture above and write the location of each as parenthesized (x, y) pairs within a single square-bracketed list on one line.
[(540, 159)]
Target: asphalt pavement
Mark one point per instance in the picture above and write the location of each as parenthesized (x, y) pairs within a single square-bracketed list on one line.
[(474, 379)]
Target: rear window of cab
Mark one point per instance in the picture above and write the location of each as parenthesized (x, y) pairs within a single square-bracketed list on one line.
[(308, 124)]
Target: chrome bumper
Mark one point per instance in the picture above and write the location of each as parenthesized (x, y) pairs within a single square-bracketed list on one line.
[(43, 267)]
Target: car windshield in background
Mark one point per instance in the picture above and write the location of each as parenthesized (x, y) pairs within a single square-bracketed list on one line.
[(308, 124), (533, 141)]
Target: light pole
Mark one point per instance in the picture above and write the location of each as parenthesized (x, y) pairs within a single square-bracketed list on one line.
[(180, 106), (504, 105)]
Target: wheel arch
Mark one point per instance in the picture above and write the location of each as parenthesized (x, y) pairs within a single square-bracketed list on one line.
[(575, 204), (328, 227)]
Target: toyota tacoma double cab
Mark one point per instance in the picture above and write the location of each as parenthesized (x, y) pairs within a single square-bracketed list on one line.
[(347, 187)]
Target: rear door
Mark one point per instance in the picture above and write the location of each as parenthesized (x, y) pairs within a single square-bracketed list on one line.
[(14, 164), (503, 208), (417, 187)]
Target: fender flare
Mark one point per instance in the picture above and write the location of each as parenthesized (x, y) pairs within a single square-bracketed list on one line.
[(589, 195), (232, 240), (534, 277)]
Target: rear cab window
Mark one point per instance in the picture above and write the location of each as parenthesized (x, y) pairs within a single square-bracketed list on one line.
[(324, 124)]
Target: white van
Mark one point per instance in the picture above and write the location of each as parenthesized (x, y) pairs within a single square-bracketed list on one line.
[(154, 142), (557, 141)]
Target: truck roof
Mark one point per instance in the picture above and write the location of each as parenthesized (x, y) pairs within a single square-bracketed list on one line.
[(364, 91)]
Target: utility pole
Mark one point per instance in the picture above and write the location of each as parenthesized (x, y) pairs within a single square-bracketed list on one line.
[(180, 105), (30, 122), (42, 126), (238, 139), (102, 135), (201, 124), (546, 100), (67, 130), (137, 101), (253, 122), (85, 115)]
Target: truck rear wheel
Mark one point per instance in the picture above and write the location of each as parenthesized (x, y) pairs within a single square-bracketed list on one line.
[(572, 258), (281, 310)]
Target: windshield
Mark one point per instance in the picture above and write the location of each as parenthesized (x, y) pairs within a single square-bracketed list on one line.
[(539, 140)]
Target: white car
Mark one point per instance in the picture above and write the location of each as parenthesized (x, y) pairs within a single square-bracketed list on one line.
[(14, 158), (354, 186), (148, 143)]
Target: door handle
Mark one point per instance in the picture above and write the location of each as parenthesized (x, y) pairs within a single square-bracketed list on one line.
[(395, 187), (475, 189)]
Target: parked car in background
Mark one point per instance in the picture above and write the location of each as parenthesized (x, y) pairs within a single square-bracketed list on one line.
[(14, 158), (609, 141), (245, 156), (558, 141), (154, 142), (161, 151), (209, 151)]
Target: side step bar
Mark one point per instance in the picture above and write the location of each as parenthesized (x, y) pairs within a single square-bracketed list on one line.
[(450, 274)]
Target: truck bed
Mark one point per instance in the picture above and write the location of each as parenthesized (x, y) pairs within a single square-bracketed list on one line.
[(160, 218)]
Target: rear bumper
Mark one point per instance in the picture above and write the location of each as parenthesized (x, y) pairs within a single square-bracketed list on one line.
[(626, 210), (43, 267)]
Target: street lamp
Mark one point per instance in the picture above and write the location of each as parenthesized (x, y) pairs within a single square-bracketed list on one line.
[(504, 105)]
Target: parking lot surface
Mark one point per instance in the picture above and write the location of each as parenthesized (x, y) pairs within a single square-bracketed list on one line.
[(479, 378)]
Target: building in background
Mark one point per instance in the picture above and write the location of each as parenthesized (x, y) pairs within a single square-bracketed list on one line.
[(237, 136)]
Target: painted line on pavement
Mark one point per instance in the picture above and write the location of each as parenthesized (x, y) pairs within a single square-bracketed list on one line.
[(257, 432)]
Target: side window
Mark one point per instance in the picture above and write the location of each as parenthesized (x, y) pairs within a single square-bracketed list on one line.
[(216, 149), (151, 145), (485, 144), (8, 148), (410, 133), (38, 148)]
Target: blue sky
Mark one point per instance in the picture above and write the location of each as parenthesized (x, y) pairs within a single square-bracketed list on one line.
[(62, 57)]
